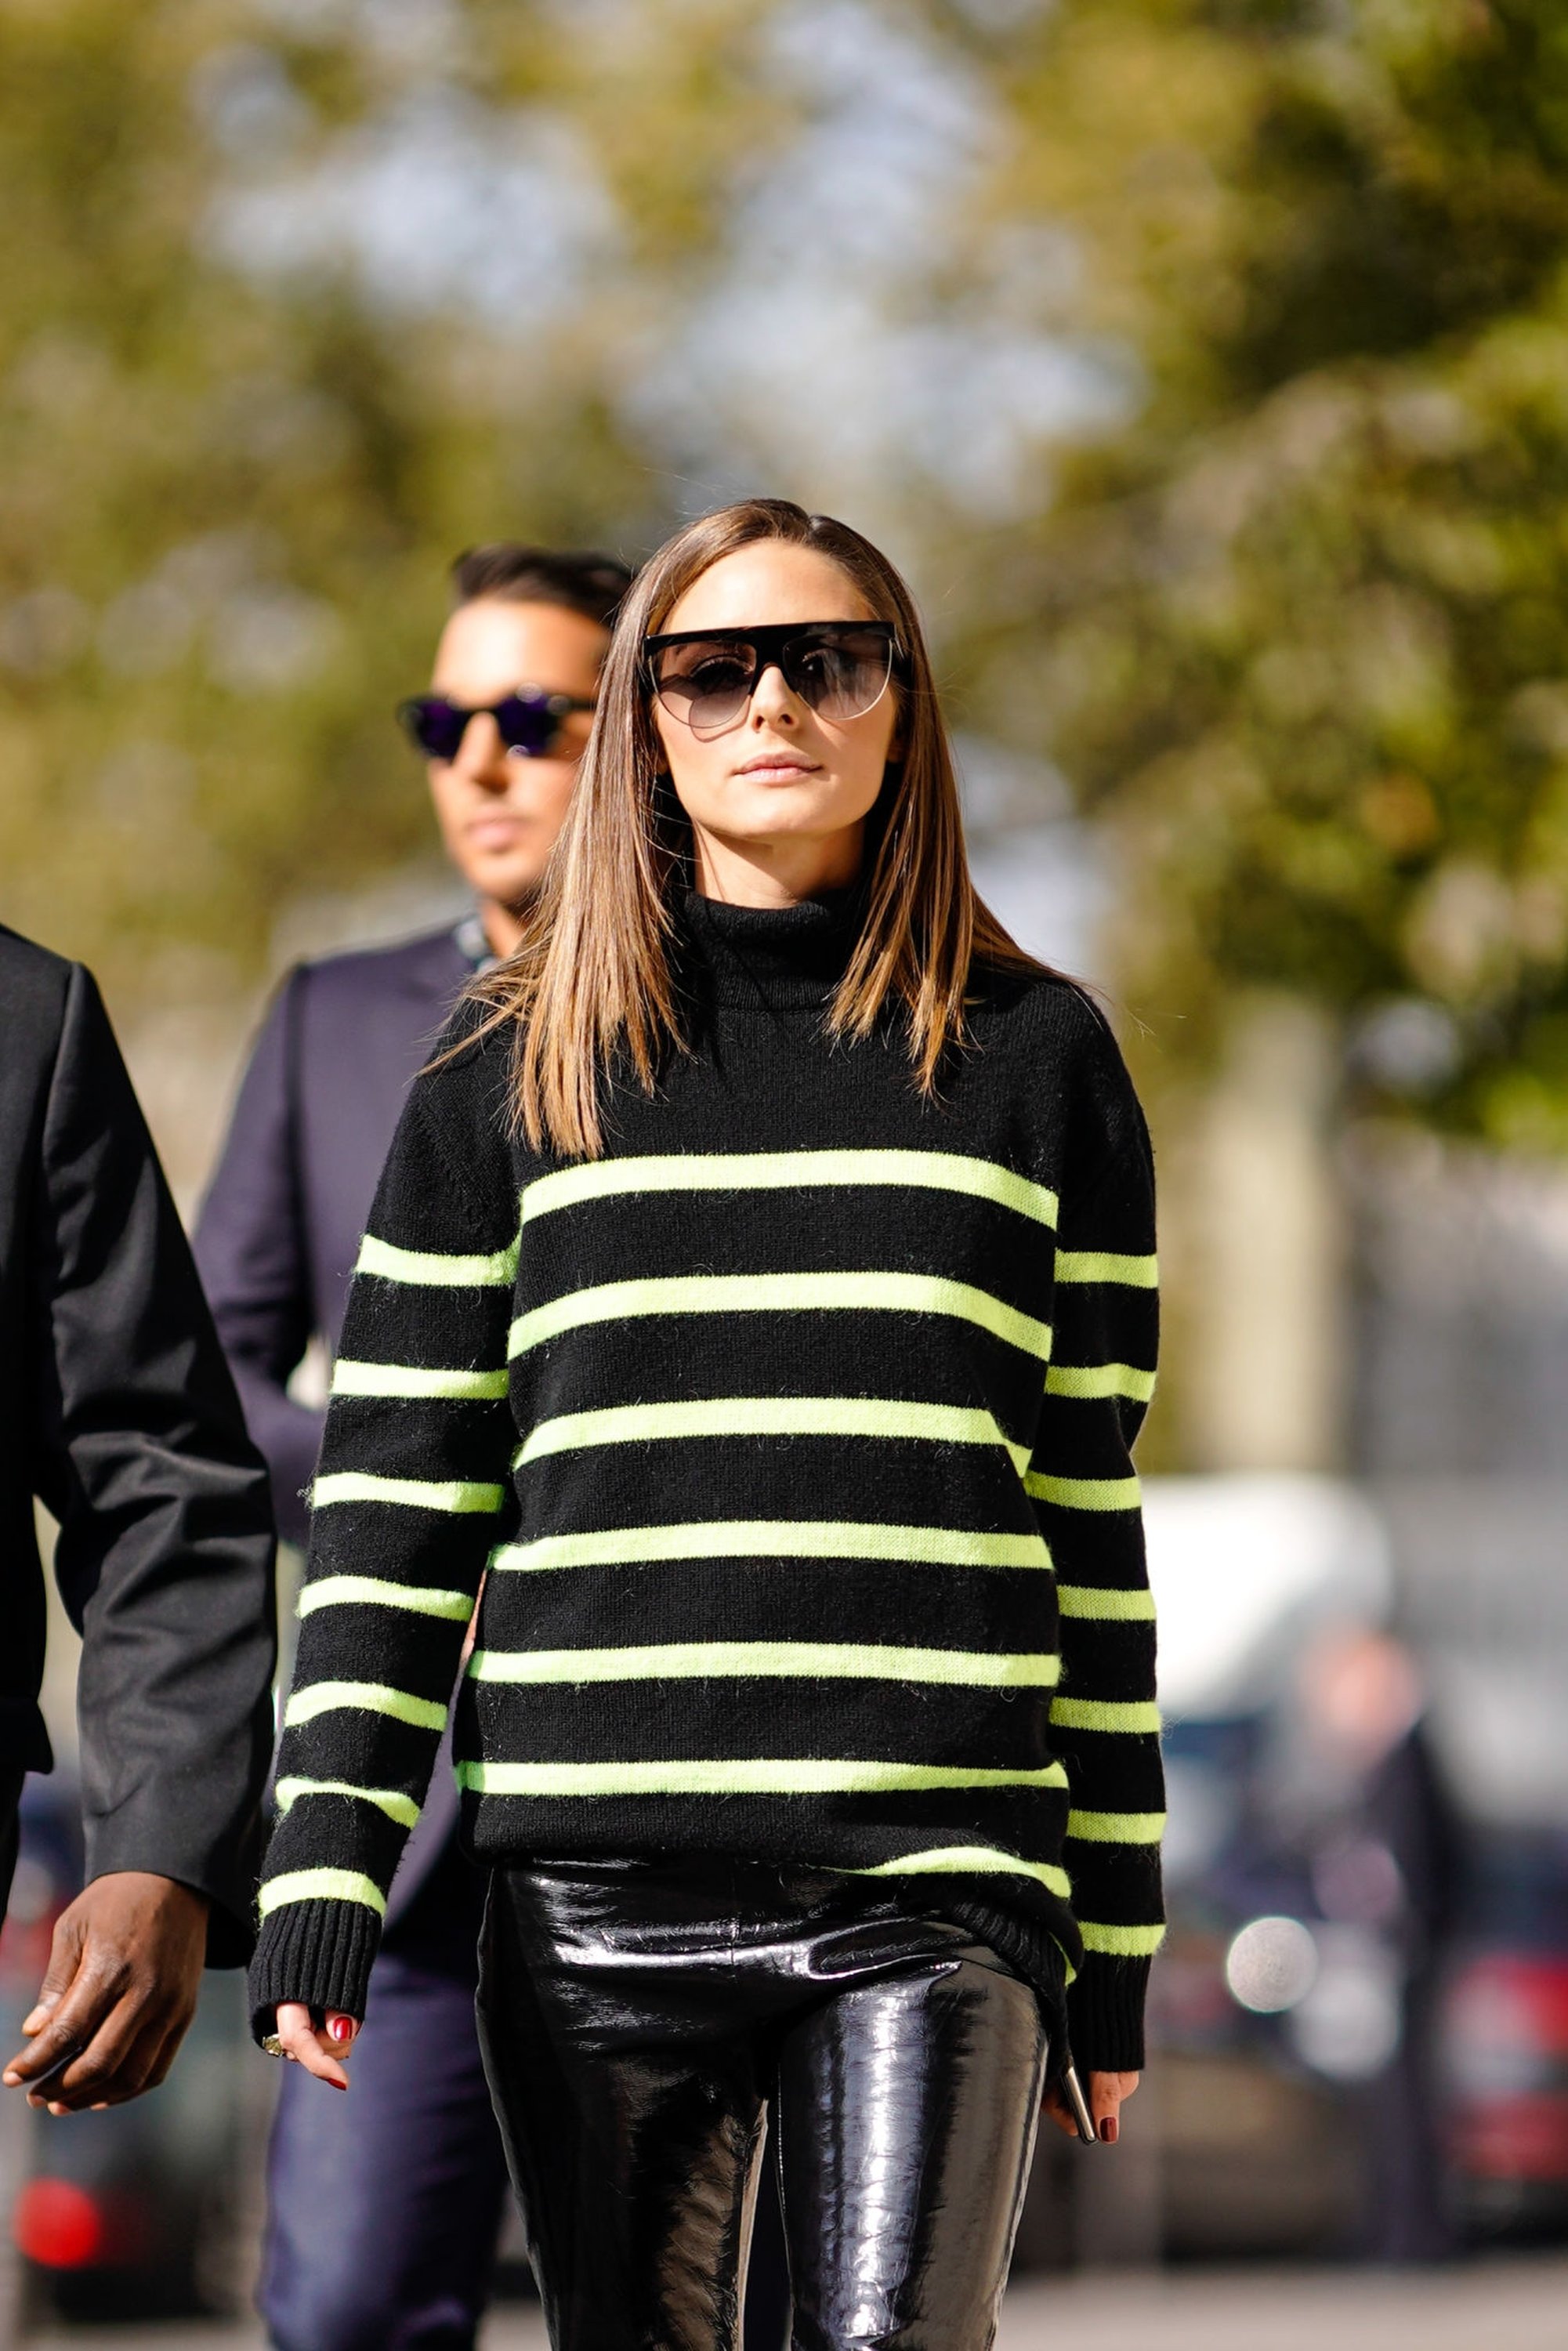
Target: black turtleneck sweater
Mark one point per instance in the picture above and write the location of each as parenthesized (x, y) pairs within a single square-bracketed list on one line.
[(790, 1441)]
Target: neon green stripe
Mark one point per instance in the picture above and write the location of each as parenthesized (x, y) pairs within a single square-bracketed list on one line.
[(964, 1858), (774, 1293), (765, 1777), (751, 1171), (808, 1659), (391, 1800), (1091, 1380), (636, 1423), (1084, 1493), (459, 1496), (1106, 1607), (776, 1538), (1104, 1714), (1101, 1265), (413, 1380), (434, 1270), (365, 1697), (320, 1885), (1116, 1828), (1122, 1942), (379, 1591)]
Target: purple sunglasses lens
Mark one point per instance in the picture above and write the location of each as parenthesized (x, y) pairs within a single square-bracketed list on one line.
[(526, 724), (436, 726)]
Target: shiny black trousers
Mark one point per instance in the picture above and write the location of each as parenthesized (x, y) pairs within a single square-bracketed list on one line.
[(639, 2019)]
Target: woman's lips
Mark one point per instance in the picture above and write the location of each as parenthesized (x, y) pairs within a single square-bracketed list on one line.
[(776, 770)]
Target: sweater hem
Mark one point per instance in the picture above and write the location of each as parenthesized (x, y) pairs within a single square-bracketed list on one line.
[(1026, 1946), (1036, 1937)]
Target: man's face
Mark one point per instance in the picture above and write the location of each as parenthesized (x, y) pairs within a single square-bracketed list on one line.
[(499, 813)]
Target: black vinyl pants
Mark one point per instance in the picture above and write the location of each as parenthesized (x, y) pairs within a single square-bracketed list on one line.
[(638, 2019)]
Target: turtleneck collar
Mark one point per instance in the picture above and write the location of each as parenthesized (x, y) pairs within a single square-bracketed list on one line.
[(783, 955)]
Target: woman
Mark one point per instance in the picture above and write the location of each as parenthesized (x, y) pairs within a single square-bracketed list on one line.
[(822, 1339)]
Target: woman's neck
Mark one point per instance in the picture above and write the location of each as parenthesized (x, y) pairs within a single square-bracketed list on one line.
[(781, 872)]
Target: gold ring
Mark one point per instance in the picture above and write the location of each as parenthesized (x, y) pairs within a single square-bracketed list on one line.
[(273, 2045)]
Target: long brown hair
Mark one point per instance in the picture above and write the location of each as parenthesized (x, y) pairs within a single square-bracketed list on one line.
[(591, 980)]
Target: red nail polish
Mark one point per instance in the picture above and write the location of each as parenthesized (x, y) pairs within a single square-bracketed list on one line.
[(1108, 2129), (342, 2028)]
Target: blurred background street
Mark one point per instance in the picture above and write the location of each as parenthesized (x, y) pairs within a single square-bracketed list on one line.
[(1521, 2305), (1204, 364)]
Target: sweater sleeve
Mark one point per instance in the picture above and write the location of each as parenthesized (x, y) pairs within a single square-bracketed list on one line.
[(406, 1506), (1105, 1724)]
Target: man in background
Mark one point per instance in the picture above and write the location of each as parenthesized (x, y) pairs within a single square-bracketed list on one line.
[(383, 2212), (118, 1413)]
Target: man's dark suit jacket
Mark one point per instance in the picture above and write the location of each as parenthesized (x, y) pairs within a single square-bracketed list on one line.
[(280, 1227), (118, 1412)]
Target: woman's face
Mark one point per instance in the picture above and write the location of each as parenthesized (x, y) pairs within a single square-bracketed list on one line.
[(777, 799)]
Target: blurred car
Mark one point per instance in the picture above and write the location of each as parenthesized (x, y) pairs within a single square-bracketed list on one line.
[(1505, 2040), (1254, 2158), (133, 2212), (1307, 1941)]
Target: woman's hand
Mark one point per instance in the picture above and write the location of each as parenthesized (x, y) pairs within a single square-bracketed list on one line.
[(1105, 2094), (318, 2048)]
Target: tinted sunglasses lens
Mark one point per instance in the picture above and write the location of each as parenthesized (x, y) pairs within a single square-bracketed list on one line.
[(526, 724), (839, 677), (707, 683), (437, 727)]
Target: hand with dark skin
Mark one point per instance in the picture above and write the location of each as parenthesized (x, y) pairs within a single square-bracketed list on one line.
[(120, 1991), (1104, 2094)]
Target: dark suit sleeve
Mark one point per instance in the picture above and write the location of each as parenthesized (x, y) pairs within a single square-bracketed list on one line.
[(165, 1552), (250, 1246)]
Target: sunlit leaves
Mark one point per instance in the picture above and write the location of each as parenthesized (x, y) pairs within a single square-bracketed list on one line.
[(1299, 629)]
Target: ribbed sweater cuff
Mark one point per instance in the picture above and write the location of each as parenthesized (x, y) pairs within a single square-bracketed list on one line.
[(318, 1952), (1105, 2015)]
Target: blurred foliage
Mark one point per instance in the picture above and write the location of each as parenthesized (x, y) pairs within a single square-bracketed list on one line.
[(228, 495), (1305, 626), (303, 295)]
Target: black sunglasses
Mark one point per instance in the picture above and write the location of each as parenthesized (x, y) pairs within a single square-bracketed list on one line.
[(840, 669), (529, 722)]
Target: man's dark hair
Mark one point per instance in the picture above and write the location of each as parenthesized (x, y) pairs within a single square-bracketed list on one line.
[(584, 581)]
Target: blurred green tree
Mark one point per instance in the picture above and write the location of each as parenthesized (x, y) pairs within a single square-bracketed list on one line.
[(1213, 380), (1298, 629), (297, 301)]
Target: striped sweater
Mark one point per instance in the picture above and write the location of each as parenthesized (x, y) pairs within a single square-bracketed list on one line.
[(789, 1442)]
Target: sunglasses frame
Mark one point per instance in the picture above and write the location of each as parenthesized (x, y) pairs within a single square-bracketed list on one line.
[(555, 707), (767, 647)]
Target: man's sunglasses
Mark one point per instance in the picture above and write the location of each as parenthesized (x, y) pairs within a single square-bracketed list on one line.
[(840, 669), (527, 722)]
